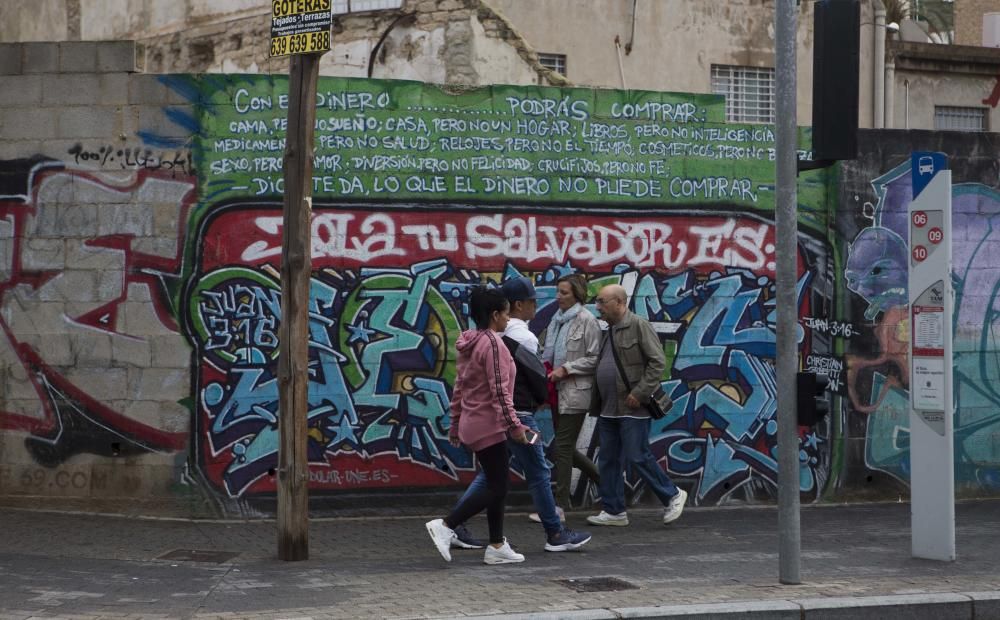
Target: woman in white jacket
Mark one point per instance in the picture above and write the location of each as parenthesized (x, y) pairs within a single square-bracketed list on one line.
[(572, 344)]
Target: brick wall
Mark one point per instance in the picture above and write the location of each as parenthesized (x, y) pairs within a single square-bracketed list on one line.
[(969, 20)]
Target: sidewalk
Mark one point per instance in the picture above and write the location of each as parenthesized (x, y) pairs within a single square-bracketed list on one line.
[(711, 563)]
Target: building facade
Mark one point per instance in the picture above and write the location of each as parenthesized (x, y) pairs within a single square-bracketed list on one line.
[(664, 45), (942, 87)]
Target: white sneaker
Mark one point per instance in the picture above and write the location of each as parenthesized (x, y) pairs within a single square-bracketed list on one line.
[(441, 534), (608, 519), (676, 507), (503, 555), (538, 519)]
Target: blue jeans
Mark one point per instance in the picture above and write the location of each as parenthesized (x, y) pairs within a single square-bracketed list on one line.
[(536, 474), (625, 441)]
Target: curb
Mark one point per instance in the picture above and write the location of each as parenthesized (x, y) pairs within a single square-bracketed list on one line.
[(930, 606)]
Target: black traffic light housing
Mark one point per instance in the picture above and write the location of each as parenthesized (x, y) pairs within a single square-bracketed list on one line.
[(811, 398), (835, 82)]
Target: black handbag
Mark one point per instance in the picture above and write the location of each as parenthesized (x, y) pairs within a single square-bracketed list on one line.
[(659, 401)]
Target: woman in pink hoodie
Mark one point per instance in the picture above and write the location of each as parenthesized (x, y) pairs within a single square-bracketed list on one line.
[(482, 415)]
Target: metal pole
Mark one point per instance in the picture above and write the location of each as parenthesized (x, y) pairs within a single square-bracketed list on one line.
[(786, 171), (878, 105), (890, 95)]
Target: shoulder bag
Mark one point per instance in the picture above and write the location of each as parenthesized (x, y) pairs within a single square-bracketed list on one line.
[(659, 401)]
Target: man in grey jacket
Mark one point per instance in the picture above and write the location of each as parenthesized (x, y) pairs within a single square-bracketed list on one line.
[(630, 346)]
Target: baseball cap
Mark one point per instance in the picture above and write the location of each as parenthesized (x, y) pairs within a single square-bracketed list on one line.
[(518, 289)]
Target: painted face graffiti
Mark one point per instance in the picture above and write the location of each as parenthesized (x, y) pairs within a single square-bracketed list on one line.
[(877, 270), (878, 384)]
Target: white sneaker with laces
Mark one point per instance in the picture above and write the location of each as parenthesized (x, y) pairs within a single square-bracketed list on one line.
[(676, 507), (441, 534), (503, 555), (605, 518), (535, 518)]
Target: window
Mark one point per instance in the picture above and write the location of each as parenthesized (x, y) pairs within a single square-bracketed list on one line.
[(556, 62), (341, 7), (749, 92), (953, 118)]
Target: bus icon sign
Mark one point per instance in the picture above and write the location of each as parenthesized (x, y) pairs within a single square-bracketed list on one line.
[(925, 165)]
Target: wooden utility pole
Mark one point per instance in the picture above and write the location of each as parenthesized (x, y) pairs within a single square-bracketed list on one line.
[(293, 335), (302, 30)]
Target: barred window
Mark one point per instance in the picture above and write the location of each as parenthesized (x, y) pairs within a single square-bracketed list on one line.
[(556, 62), (749, 92), (954, 118)]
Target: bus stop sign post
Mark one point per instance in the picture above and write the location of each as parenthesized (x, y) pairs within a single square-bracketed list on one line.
[(932, 457)]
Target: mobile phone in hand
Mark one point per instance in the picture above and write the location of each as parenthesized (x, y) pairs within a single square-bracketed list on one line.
[(532, 436)]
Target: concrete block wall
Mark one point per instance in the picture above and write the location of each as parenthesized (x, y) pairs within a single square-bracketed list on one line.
[(93, 373)]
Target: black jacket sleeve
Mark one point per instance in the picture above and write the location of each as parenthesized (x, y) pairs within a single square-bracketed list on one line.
[(531, 385)]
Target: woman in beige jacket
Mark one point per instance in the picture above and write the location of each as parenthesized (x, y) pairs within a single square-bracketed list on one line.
[(572, 343)]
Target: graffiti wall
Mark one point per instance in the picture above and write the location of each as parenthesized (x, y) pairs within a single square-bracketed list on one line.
[(383, 336), (140, 296), (872, 221), (420, 195), (96, 371)]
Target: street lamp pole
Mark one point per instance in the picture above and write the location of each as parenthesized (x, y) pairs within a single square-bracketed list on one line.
[(786, 255)]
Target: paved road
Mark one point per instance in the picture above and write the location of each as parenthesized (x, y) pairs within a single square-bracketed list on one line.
[(82, 566)]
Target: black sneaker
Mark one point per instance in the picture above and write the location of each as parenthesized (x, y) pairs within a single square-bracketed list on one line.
[(566, 539), (464, 540)]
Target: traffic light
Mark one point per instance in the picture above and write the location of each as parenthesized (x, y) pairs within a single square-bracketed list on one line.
[(811, 398), (835, 79)]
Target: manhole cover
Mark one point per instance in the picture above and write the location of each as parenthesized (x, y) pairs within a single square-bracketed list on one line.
[(198, 555), (597, 584)]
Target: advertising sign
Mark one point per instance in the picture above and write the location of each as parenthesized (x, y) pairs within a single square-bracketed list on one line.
[(300, 27)]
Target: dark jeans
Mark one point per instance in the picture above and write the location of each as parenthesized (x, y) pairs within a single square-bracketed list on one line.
[(625, 442), (493, 461), (536, 473), (567, 456)]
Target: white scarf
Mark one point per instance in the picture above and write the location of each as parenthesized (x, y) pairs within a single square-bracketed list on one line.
[(555, 336)]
